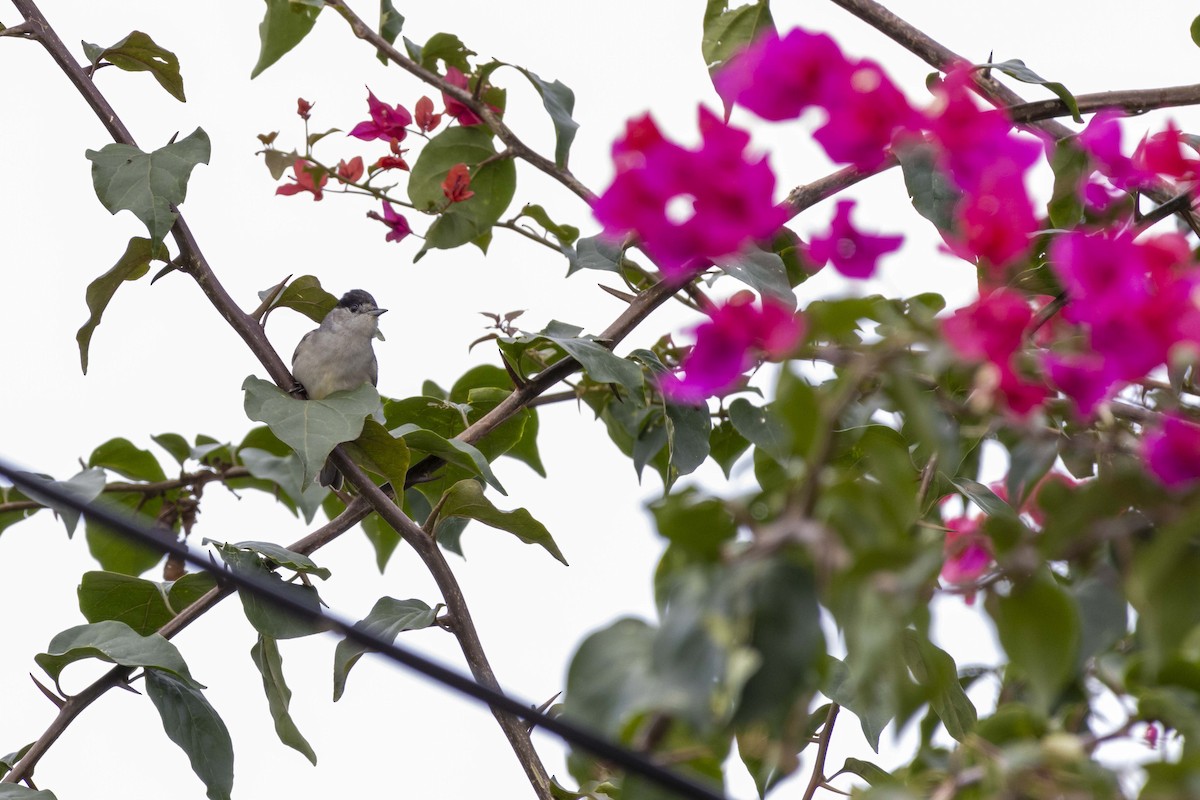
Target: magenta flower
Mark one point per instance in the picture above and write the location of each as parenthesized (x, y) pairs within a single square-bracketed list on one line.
[(735, 337), (976, 143), (992, 330), (1173, 452), (387, 122), (688, 207), (967, 553), (1101, 140), (995, 222), (1086, 378), (865, 115), (465, 116), (778, 78), (852, 252), (397, 224)]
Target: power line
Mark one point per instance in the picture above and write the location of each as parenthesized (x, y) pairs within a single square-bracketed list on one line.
[(119, 519)]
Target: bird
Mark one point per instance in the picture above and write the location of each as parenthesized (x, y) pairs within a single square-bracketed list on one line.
[(339, 356)]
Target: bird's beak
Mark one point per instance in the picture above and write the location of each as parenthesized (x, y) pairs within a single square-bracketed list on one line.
[(376, 312)]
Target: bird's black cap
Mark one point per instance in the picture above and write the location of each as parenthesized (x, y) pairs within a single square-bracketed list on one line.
[(356, 297)]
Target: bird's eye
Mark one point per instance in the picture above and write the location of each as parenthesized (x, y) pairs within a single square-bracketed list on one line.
[(354, 309)]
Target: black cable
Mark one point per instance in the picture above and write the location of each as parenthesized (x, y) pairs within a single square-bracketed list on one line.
[(125, 522)]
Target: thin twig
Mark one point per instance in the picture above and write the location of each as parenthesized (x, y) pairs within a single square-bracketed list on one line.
[(817, 779)]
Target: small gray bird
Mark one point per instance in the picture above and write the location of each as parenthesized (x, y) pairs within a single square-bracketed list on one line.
[(339, 356)]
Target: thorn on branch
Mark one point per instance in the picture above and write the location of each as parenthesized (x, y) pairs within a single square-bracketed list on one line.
[(23, 31), (617, 293), (51, 696)]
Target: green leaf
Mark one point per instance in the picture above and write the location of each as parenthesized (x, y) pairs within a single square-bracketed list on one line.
[(267, 658), (601, 364), (1015, 68), (610, 676), (284, 26), (985, 498), (286, 472), (385, 455), (85, 486), (566, 234), (726, 445), (1028, 462), (761, 426), (466, 499), (388, 618), (174, 444), (763, 271), (121, 456), (448, 48), (1039, 628), (1071, 166), (842, 687), (871, 773), (193, 724), (597, 252), (115, 551), (140, 604), (116, 643), (189, 589), (13, 791), (452, 451), (149, 185), (279, 556), (1103, 615), (559, 102), (266, 617), (493, 183), (1194, 30), (688, 429), (932, 193), (726, 31), (391, 22), (310, 427), (129, 267), (306, 296), (383, 538), (934, 669), (697, 525), (137, 52)]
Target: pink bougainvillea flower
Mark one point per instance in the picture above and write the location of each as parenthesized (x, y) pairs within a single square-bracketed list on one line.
[(390, 162), (397, 224), (1172, 452), (308, 179), (864, 117), (1162, 153), (424, 117), (386, 122), (975, 142), (688, 207), (1086, 378), (1101, 140), (737, 334), (457, 184), (995, 222), (992, 330), (350, 172), (967, 553), (850, 251), (778, 78), (454, 108), (304, 108)]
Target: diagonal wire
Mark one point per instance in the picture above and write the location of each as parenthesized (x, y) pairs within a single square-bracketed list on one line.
[(128, 524)]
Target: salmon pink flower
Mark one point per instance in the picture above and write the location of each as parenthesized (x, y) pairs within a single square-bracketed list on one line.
[(454, 108), (387, 122), (852, 252), (735, 337), (397, 224), (688, 207), (424, 117), (456, 184), (304, 108), (350, 172), (309, 178)]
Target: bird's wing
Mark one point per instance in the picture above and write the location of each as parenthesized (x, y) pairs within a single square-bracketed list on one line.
[(374, 370), (300, 344)]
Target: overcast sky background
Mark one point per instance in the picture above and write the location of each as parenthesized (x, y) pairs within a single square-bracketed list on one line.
[(163, 360)]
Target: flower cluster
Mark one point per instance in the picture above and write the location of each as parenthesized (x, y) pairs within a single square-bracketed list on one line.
[(688, 206), (731, 342), (992, 330)]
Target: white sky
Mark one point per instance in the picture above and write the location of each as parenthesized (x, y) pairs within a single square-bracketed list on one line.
[(163, 360)]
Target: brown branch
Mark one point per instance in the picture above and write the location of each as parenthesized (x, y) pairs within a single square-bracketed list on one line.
[(1131, 101), (817, 779), (151, 488)]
